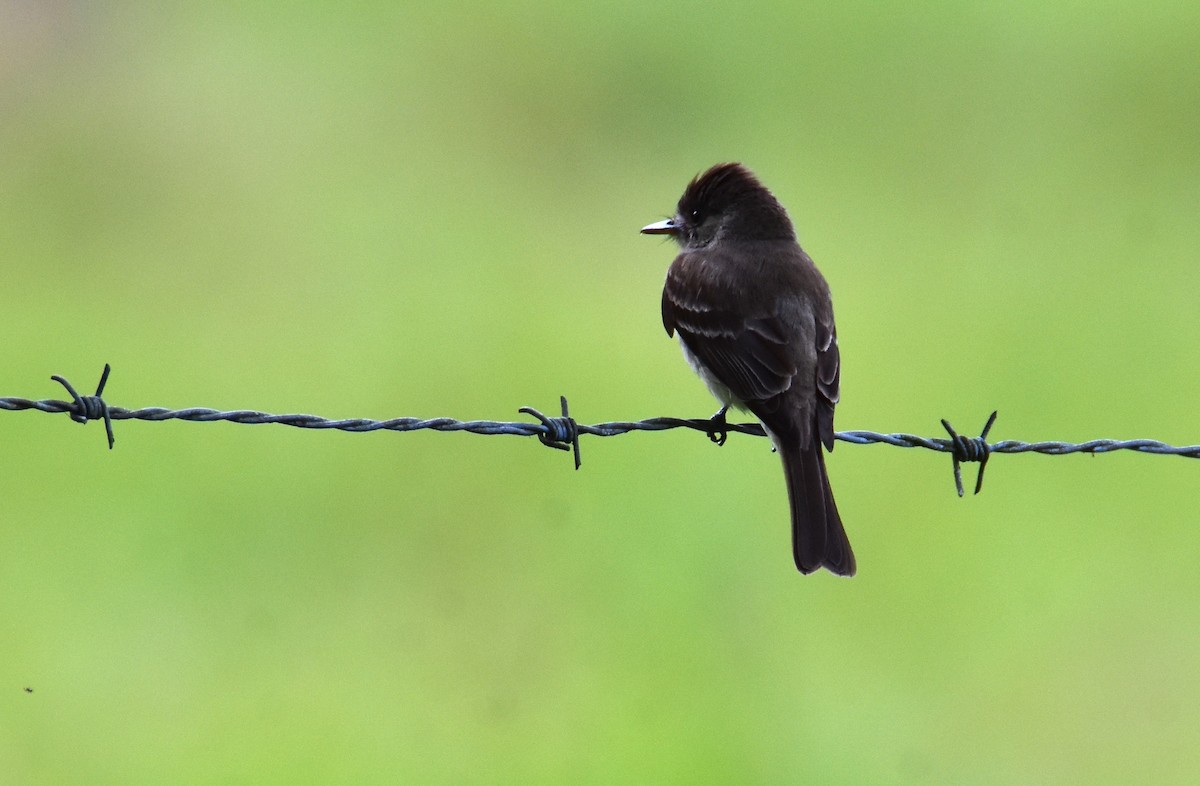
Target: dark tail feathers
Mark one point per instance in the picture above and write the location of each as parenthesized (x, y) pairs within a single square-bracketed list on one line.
[(818, 538)]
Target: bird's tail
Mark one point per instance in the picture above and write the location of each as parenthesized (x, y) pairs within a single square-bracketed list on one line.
[(818, 538)]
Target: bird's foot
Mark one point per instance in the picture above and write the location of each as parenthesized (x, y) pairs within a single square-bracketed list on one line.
[(716, 426)]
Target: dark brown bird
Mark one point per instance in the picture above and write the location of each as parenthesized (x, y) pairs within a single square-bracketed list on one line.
[(755, 320)]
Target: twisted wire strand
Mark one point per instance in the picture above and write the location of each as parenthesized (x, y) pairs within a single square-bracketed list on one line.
[(609, 429), (563, 432)]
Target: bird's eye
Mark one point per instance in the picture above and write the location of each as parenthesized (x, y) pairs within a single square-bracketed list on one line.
[(696, 217)]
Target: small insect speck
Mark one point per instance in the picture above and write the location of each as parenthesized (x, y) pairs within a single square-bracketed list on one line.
[(29, 690)]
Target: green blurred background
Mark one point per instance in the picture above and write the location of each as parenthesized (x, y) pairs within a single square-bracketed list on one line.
[(370, 210)]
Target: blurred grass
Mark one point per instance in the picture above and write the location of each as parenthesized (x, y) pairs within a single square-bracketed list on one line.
[(381, 211)]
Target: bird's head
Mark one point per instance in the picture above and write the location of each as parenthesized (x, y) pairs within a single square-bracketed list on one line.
[(726, 201)]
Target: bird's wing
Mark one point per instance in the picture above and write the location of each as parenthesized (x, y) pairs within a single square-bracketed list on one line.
[(829, 375), (749, 355)]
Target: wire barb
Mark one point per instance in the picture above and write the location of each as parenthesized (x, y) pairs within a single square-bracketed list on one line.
[(559, 433), (85, 408), (969, 449)]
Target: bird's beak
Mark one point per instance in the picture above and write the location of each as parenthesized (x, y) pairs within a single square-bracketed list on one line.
[(666, 227)]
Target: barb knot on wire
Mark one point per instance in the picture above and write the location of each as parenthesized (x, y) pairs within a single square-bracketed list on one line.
[(85, 408), (969, 449), (559, 433)]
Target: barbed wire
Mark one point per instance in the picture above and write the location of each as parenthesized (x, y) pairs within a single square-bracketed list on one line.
[(563, 432)]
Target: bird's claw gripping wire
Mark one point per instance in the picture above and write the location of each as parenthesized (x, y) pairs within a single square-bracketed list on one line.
[(85, 408), (969, 449), (718, 430), (559, 433)]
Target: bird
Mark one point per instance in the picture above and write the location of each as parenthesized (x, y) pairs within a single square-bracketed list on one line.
[(754, 318)]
